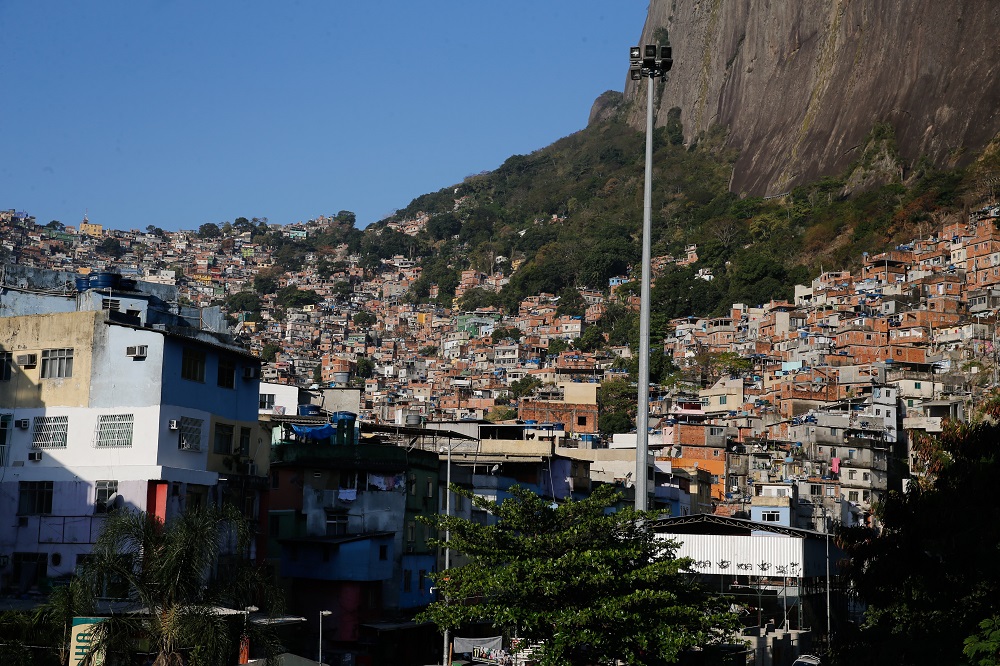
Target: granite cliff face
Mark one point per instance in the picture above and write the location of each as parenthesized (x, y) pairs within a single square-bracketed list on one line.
[(800, 85)]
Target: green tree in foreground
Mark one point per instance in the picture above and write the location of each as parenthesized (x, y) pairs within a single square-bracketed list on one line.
[(588, 583), (929, 576), (166, 570)]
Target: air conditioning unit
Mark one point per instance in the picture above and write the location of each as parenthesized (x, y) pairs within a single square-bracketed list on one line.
[(249, 372), (23, 424), (174, 424), (136, 351), (27, 359), (34, 456), (251, 469)]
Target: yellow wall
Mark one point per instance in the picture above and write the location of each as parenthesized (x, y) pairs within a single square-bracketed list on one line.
[(31, 335)]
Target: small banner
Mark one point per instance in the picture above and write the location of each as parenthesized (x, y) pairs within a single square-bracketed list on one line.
[(81, 639)]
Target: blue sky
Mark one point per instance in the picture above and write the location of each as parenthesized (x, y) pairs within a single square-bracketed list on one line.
[(179, 112)]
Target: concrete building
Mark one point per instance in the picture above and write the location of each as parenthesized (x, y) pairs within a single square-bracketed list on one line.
[(101, 409)]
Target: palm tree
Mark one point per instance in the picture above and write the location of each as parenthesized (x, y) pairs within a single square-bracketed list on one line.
[(75, 599), (171, 574)]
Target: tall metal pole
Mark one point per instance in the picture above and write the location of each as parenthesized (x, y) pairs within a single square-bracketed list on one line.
[(322, 614), (826, 528), (447, 547), (642, 414)]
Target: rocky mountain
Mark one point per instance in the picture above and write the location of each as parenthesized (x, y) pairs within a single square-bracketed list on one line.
[(800, 85)]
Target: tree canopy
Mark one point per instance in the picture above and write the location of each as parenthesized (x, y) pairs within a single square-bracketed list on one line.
[(586, 582), (929, 576)]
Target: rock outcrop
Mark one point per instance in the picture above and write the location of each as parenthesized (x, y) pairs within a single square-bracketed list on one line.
[(799, 85)]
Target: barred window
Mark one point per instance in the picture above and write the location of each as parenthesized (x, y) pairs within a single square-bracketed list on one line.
[(49, 432), (190, 435), (193, 365), (6, 360), (114, 431), (5, 426), (57, 363)]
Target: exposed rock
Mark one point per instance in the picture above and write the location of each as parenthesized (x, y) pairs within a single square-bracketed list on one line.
[(800, 85)]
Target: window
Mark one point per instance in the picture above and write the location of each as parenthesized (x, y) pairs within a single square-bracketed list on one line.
[(459, 502), (412, 484), (34, 498), (223, 438), (723, 399), (267, 400), (114, 431), (411, 532), (227, 373), (865, 476), (850, 454), (916, 385), (57, 363), (245, 441), (853, 496), (420, 580), (193, 365), (851, 474), (49, 432), (770, 516), (581, 420), (716, 431), (6, 361), (111, 304), (430, 487), (104, 495), (190, 434), (336, 524), (383, 552), (348, 480), (5, 423), (407, 580), (815, 489)]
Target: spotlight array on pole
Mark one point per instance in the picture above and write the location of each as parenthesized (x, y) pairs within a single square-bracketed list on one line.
[(645, 62), (648, 62)]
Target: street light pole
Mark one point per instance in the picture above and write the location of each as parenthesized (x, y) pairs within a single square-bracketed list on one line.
[(322, 614), (645, 64), (447, 546)]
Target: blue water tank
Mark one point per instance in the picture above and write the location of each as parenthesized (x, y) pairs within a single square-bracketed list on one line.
[(105, 280), (82, 282), (308, 410)]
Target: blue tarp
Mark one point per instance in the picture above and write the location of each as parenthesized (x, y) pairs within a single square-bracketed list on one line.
[(325, 431)]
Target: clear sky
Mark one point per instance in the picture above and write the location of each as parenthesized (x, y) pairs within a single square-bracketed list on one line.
[(179, 112)]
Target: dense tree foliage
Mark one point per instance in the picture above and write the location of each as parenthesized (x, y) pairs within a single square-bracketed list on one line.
[(293, 297), (929, 576), (588, 583)]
